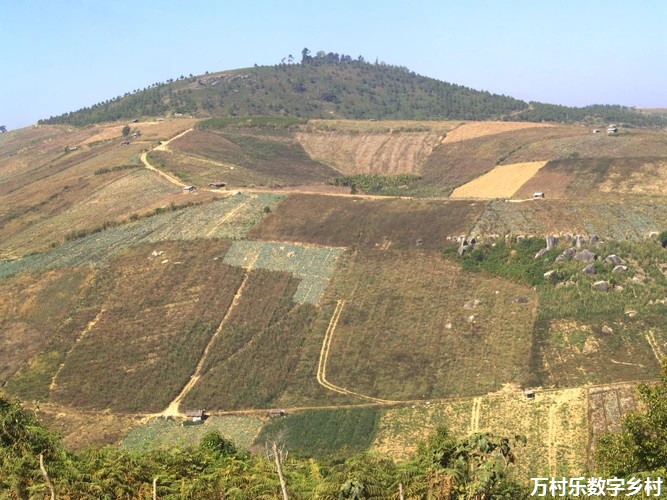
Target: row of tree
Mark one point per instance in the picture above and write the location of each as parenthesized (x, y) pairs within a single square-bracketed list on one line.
[(34, 463)]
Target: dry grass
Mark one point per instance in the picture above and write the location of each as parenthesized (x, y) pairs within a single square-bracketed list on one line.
[(555, 424), (410, 328), (380, 126), (501, 182)]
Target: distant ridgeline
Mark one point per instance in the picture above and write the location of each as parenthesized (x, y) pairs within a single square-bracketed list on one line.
[(328, 85)]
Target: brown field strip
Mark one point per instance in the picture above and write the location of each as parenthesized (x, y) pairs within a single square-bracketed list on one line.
[(173, 407), (501, 182), (473, 130)]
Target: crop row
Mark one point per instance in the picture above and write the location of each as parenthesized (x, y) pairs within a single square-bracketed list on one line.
[(229, 218)]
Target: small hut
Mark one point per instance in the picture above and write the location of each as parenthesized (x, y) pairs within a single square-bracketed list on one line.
[(196, 415)]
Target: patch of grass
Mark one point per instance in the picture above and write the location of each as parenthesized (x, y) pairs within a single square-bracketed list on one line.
[(391, 185), (117, 168), (417, 327), (582, 335), (260, 122), (324, 433)]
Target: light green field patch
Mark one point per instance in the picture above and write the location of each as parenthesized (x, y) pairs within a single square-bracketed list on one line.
[(230, 218), (167, 433), (314, 265)]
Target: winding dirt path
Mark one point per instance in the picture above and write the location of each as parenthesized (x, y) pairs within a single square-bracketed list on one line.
[(324, 355), (474, 416), (164, 147), (172, 409)]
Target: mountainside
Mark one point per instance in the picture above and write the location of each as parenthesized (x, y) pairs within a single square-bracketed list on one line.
[(335, 86), (326, 268)]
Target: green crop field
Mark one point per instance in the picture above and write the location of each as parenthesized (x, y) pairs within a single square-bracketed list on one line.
[(357, 222), (314, 265), (324, 433), (167, 433)]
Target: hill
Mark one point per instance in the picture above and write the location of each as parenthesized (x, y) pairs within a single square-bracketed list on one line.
[(330, 85)]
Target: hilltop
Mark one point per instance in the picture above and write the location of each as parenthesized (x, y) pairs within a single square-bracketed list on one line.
[(331, 85)]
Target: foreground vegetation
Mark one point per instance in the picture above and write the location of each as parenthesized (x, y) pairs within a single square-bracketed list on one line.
[(33, 462)]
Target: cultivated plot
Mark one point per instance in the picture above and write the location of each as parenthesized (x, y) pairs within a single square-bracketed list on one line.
[(501, 182), (630, 218), (229, 218), (314, 265)]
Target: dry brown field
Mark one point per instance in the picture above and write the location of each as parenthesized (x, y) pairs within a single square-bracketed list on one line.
[(472, 130), (377, 223)]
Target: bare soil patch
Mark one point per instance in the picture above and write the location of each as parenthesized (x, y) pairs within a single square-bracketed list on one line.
[(501, 182), (473, 130)]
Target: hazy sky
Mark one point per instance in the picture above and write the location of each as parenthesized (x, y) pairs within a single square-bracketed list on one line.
[(58, 56)]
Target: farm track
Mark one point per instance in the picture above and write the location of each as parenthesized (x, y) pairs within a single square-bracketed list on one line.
[(81, 336), (654, 346), (370, 404), (172, 409), (474, 417), (324, 355), (163, 147), (551, 440)]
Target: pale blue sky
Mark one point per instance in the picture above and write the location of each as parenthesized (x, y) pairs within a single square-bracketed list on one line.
[(58, 56)]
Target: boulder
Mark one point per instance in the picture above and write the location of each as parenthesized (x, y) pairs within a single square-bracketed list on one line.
[(593, 239), (521, 300), (471, 304), (601, 286), (552, 241), (569, 253), (619, 269), (607, 329), (612, 259), (462, 249), (541, 253), (579, 241), (589, 270), (549, 273), (520, 238), (560, 259), (585, 256)]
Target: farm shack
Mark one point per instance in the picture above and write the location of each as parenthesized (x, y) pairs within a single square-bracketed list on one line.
[(277, 412), (217, 184), (190, 189), (538, 194), (196, 415)]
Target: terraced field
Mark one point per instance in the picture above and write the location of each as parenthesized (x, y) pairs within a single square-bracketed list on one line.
[(501, 182), (228, 218)]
